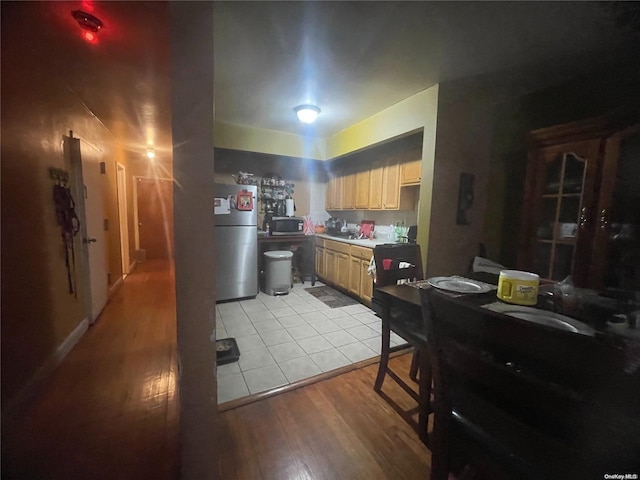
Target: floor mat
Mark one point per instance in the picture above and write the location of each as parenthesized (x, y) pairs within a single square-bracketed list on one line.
[(331, 297)]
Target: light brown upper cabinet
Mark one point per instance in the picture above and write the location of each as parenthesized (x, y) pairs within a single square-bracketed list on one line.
[(376, 179), (362, 190), (378, 188), (348, 192), (391, 187), (410, 172), (330, 199), (580, 214)]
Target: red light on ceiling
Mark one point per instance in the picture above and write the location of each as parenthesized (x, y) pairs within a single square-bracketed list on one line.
[(90, 25)]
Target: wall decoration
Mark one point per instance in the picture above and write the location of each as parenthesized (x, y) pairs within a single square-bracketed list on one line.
[(465, 198)]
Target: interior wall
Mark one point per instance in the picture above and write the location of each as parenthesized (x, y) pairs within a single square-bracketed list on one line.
[(193, 169), (38, 312), (463, 145)]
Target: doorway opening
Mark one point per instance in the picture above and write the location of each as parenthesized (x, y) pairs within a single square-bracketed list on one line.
[(154, 218)]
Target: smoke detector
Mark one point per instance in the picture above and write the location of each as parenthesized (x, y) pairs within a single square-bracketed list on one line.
[(87, 21)]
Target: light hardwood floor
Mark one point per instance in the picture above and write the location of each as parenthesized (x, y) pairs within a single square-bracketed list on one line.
[(338, 429), (111, 411)]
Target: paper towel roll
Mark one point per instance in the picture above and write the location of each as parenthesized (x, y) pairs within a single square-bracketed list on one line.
[(288, 203)]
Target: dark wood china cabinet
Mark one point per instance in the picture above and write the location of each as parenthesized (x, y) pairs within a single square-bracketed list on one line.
[(581, 209)]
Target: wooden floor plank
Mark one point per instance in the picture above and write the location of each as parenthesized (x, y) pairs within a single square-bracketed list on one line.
[(335, 429), (111, 411)]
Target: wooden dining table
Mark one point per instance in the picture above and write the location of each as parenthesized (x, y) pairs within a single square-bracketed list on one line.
[(625, 348)]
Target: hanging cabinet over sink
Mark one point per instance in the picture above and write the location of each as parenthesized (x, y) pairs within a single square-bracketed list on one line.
[(381, 187), (571, 178)]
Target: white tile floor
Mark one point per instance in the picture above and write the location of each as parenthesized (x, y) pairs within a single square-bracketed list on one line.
[(292, 337)]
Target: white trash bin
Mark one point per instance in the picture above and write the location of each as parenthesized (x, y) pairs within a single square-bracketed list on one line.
[(277, 271)]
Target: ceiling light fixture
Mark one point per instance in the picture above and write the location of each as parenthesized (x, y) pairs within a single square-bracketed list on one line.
[(151, 153), (307, 113), (89, 24)]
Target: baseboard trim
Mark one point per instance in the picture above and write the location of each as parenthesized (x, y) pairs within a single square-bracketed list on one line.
[(114, 288), (36, 384)]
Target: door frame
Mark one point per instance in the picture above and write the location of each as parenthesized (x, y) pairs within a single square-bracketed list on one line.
[(123, 217)]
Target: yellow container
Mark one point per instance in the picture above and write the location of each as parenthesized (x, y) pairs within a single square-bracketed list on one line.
[(518, 287)]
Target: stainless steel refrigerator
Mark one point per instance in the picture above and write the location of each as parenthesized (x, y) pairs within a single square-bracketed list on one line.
[(236, 237)]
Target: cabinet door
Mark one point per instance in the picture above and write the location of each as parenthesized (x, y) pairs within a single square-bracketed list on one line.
[(615, 259), (342, 270), (366, 282), (320, 262), (348, 192), (376, 178), (337, 193), (391, 187), (330, 266), (560, 207), (362, 190), (330, 194), (354, 275), (410, 172)]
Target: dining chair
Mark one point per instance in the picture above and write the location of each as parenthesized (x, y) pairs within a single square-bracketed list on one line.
[(517, 400), (394, 263)]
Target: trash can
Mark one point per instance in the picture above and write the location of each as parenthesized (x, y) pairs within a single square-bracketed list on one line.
[(277, 268)]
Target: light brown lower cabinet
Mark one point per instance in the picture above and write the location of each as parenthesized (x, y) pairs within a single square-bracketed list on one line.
[(354, 275), (330, 266), (345, 267), (342, 273), (366, 282), (320, 272), (360, 283)]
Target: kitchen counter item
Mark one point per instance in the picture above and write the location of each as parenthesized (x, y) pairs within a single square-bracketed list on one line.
[(369, 243), (367, 227), (412, 234), (286, 226), (518, 287), (542, 317), (459, 284)]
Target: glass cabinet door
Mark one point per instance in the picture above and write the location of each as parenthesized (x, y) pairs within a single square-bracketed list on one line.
[(559, 203), (616, 258)]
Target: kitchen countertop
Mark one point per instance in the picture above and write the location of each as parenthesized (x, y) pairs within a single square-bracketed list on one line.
[(361, 243)]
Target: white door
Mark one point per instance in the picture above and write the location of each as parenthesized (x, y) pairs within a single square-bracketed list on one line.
[(85, 160)]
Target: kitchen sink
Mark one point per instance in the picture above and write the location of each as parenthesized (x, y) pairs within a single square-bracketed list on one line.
[(542, 317)]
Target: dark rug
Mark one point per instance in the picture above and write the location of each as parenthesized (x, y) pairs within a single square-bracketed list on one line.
[(331, 297)]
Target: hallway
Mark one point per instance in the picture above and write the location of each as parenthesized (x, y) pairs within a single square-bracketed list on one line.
[(110, 411)]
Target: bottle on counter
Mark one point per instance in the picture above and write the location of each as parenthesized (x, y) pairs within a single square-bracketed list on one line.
[(266, 230), (392, 233)]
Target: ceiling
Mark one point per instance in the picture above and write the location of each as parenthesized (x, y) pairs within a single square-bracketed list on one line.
[(352, 59)]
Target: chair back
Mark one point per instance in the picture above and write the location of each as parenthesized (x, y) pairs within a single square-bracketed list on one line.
[(397, 261), (527, 400)]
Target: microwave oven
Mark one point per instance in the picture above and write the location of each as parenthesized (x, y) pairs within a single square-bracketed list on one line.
[(286, 226)]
